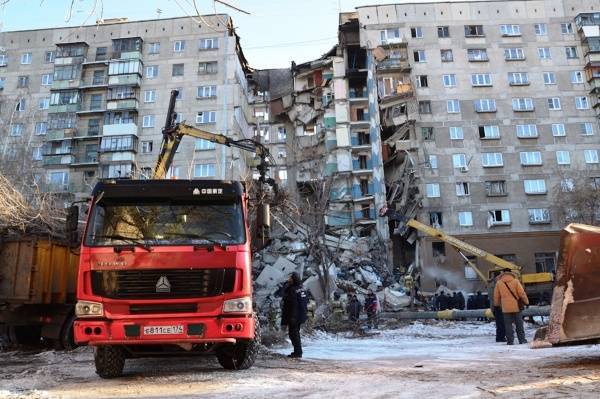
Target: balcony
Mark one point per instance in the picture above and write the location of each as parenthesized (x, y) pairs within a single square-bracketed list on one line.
[(66, 84), (362, 166), (80, 59), (359, 144), (86, 160), (595, 85), (127, 104), (587, 19), (125, 80), (394, 64), (127, 55), (64, 108), (58, 159), (592, 59), (120, 129), (94, 83), (92, 108), (60, 134)]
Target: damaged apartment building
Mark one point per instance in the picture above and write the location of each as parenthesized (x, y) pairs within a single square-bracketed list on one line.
[(486, 112)]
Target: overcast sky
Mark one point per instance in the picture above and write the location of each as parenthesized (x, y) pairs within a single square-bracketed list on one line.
[(276, 32)]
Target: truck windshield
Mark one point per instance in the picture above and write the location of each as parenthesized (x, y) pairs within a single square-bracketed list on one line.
[(170, 223)]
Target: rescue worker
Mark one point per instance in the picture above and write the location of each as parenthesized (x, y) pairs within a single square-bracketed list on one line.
[(294, 312), (497, 310), (461, 300), (510, 295), (444, 301), (371, 307), (353, 309)]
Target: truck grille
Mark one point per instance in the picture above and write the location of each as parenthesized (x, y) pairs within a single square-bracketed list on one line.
[(162, 284)]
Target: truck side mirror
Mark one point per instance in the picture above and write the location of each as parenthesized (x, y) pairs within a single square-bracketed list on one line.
[(72, 224)]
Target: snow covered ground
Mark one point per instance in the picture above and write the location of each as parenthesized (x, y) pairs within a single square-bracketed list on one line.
[(423, 359)]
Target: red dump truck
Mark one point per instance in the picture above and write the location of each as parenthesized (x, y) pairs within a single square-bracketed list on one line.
[(38, 278), (575, 313)]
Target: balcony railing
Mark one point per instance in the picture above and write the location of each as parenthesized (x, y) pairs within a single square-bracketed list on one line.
[(125, 80), (60, 159), (112, 105), (394, 63), (120, 129), (60, 134), (94, 82), (64, 108), (66, 84)]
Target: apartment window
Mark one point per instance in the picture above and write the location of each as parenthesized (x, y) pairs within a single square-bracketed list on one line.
[(590, 156), (536, 186), (204, 170), (554, 103), (179, 96), (545, 262), (522, 104), (518, 78), (148, 121), (93, 128), (101, 53), (498, 217), (477, 54), (424, 107), (25, 58), (21, 105), (465, 219), (66, 72), (16, 129), (549, 78), (491, 159), (122, 67), (203, 145), (443, 31), (462, 189), (527, 131), (154, 48), (44, 103), (427, 133), (208, 44), (41, 128), (563, 157), (481, 79), (544, 53), (485, 105), (389, 35), (576, 77), (541, 29), (146, 147), (538, 215), (530, 158), (459, 160), (205, 68), (558, 130), (586, 129), (64, 97), (47, 79), (447, 55), (495, 188), (510, 30), (489, 132), (419, 55), (3, 59), (282, 174), (514, 54), (177, 70), (433, 190), (456, 133), (37, 154), (453, 106), (151, 71), (474, 31), (149, 96), (422, 81), (179, 46), (433, 161), (571, 52), (416, 32), (582, 103), (22, 82), (58, 179), (121, 92), (118, 143), (566, 28), (207, 91), (206, 117), (49, 57), (449, 80)]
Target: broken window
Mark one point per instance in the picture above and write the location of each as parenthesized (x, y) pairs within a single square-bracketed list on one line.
[(545, 262), (498, 217), (427, 133), (462, 189), (495, 188), (435, 219), (390, 35), (447, 55), (422, 81), (474, 31), (416, 32), (419, 55), (424, 107), (489, 132), (438, 248)]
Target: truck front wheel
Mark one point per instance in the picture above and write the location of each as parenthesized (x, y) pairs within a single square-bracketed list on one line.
[(242, 354), (110, 361)]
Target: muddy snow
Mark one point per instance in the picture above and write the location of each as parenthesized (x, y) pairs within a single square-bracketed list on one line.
[(433, 360)]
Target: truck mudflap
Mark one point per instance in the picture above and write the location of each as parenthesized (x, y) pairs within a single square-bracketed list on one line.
[(163, 330), (575, 311)]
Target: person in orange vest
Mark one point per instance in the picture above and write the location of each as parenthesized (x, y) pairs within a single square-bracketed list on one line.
[(511, 296)]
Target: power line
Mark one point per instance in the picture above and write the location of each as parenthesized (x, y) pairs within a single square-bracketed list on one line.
[(292, 43)]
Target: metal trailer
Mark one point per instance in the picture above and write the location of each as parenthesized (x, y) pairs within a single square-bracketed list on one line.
[(38, 280)]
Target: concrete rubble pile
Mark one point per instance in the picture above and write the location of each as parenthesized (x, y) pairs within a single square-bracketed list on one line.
[(358, 266)]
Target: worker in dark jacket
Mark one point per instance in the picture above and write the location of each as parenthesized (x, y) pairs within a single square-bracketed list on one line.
[(294, 312), (353, 308), (371, 307)]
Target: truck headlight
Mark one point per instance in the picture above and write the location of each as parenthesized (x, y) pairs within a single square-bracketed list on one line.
[(238, 305), (89, 309)]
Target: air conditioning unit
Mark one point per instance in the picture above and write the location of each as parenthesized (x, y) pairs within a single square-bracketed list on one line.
[(464, 169)]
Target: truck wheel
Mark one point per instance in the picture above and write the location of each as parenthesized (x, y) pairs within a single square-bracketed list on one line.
[(67, 339), (242, 354), (109, 361)]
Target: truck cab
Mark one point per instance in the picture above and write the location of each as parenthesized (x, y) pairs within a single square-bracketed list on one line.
[(165, 268)]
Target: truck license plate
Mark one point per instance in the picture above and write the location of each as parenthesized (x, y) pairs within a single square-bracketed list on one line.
[(163, 330)]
